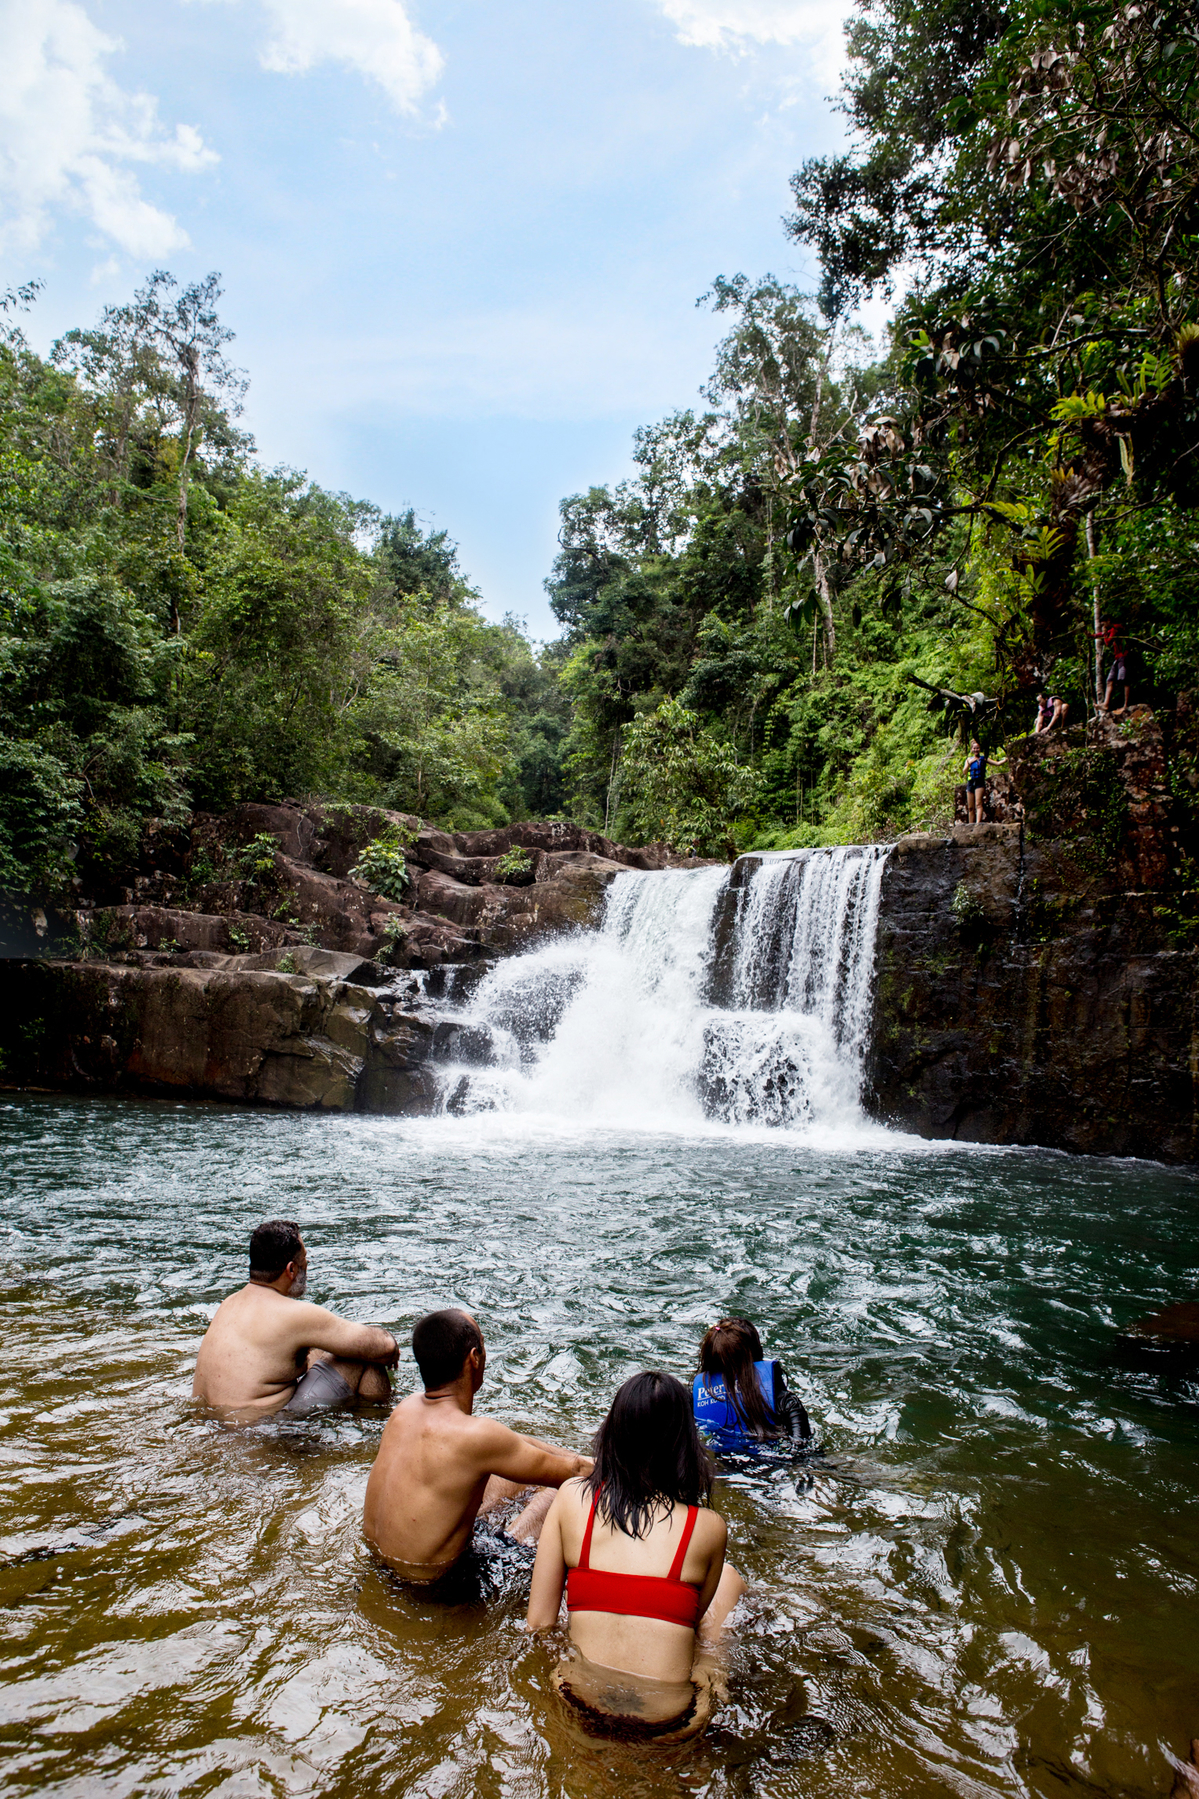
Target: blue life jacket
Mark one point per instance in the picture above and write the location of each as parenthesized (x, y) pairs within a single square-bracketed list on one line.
[(716, 1415)]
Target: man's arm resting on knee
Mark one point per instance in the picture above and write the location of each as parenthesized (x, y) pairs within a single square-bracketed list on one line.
[(553, 1448), (523, 1459), (316, 1328)]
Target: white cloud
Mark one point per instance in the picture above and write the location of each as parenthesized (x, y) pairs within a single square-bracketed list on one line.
[(375, 37), (68, 133), (736, 24)]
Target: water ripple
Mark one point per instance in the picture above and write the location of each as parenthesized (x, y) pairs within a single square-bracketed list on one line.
[(985, 1587)]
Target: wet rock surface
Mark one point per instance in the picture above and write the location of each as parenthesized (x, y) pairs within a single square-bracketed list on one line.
[(268, 877), (1021, 998), (1173, 1330), (1037, 975), (305, 1033)]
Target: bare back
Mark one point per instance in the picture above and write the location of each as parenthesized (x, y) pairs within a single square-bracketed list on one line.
[(652, 1647), (255, 1348), (429, 1476)]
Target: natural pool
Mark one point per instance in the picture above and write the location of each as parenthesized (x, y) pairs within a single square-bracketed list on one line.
[(988, 1586)]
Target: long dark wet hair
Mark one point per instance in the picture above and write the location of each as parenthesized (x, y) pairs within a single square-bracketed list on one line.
[(730, 1350), (647, 1453)]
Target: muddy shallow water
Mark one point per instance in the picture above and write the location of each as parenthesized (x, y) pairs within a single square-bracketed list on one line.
[(987, 1586)]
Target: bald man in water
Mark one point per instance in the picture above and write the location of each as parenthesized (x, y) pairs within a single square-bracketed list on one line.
[(267, 1350), (439, 1466)]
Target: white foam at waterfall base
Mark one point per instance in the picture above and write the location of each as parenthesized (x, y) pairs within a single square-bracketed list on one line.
[(616, 1027)]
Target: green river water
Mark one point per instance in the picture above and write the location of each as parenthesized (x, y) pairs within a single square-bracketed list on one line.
[(987, 1585)]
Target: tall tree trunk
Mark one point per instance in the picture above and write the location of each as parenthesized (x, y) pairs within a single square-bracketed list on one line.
[(825, 594), (191, 419), (823, 589), (1097, 623), (611, 777)]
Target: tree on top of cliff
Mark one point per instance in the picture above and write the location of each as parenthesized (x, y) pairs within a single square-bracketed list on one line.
[(1038, 174)]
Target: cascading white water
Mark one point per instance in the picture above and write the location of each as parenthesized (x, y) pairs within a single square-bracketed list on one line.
[(805, 937), (740, 995)]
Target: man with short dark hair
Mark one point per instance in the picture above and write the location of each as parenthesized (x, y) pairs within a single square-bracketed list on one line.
[(267, 1350), (439, 1467)]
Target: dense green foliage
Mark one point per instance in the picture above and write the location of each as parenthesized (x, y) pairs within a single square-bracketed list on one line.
[(747, 622), (724, 692), (182, 628), (1039, 166), (1017, 474)]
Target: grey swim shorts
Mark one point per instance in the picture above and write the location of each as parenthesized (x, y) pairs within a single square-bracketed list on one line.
[(319, 1386)]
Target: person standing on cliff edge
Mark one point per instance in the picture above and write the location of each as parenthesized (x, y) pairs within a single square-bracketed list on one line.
[(268, 1350), (976, 780)]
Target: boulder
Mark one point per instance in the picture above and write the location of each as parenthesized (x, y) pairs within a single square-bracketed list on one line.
[(307, 958), (1186, 1775), (567, 894), (110, 929), (1172, 1331), (233, 1033)]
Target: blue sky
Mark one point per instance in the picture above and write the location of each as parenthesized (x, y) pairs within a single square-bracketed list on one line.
[(461, 242)]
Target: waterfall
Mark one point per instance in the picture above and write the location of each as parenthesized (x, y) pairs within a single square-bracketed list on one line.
[(741, 995)]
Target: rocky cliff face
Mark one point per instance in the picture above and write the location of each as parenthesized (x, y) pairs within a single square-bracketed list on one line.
[(1015, 1006), (274, 877), (246, 963), (1037, 980)]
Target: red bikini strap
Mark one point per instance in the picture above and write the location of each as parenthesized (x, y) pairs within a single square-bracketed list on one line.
[(585, 1552), (676, 1567)]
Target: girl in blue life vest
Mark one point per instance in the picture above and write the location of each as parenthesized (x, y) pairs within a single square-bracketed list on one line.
[(740, 1400)]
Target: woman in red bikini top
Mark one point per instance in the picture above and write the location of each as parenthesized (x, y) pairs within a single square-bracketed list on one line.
[(636, 1546)]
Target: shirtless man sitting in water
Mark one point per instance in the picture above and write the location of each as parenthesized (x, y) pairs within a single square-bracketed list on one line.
[(439, 1466), (268, 1351)]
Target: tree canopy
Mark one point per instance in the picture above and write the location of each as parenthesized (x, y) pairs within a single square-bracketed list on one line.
[(755, 624), (181, 627)]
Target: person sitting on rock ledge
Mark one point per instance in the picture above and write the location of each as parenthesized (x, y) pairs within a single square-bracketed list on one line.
[(439, 1467), (1051, 711), (267, 1350)]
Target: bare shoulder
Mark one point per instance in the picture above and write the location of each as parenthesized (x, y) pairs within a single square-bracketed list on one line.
[(404, 1415), (486, 1434), (711, 1531), (226, 1309), (304, 1313)]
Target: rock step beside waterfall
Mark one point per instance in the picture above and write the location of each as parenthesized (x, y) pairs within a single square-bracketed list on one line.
[(192, 892)]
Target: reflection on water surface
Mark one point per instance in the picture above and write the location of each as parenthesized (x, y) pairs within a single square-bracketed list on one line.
[(987, 1587)]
